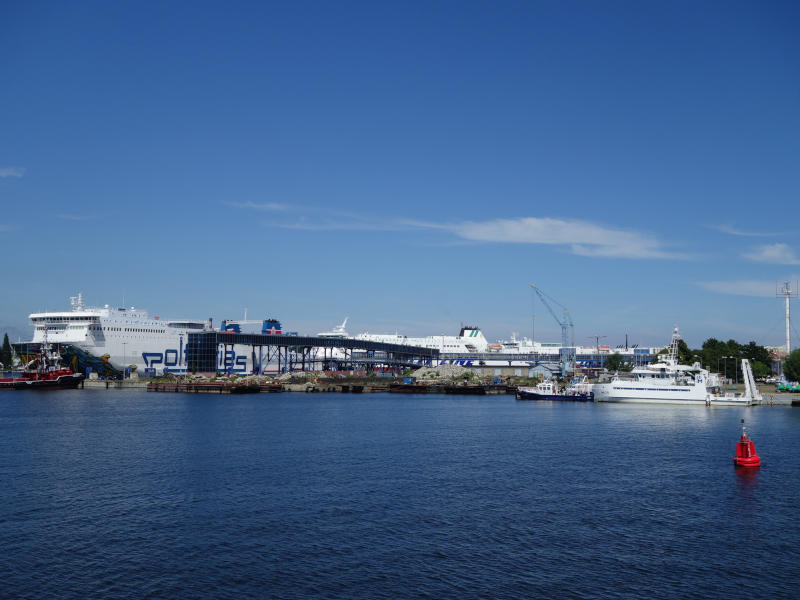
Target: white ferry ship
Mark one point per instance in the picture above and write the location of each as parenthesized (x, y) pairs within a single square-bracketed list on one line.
[(470, 348), (469, 340), (110, 339)]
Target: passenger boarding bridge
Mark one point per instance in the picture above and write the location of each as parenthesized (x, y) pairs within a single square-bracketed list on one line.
[(292, 352)]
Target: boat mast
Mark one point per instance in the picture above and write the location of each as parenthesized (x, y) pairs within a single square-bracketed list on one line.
[(672, 357)]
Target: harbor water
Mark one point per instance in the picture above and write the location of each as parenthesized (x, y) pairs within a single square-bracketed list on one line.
[(124, 494)]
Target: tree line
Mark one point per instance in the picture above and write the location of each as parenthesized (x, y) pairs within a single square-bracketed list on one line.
[(715, 355)]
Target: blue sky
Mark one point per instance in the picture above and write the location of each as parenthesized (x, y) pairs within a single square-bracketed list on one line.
[(411, 166)]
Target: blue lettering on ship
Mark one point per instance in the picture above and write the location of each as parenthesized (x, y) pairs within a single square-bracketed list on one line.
[(171, 357), (168, 358), (170, 362), (229, 361), (151, 359)]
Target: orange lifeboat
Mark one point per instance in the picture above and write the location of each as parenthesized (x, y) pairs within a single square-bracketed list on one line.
[(746, 452)]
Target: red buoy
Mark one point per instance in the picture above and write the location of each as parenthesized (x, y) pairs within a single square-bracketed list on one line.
[(746, 452)]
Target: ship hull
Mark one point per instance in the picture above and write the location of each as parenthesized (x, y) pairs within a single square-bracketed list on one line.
[(675, 394), (528, 395), (63, 382)]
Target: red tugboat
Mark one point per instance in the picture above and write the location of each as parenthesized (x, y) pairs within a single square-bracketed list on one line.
[(48, 374), (746, 452)]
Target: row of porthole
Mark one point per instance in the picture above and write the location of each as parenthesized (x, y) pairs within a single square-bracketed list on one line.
[(127, 329)]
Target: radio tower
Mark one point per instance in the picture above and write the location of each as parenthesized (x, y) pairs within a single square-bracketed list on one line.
[(787, 293)]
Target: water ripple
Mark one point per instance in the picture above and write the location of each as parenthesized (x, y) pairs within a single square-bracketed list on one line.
[(132, 495)]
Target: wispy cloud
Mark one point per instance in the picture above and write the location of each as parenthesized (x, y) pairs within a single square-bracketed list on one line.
[(4, 227), (581, 237), (578, 237), (265, 206), (12, 171), (745, 287), (76, 217), (730, 229), (778, 254), (349, 222), (332, 225)]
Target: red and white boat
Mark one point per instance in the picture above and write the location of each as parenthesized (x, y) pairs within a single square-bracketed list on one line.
[(43, 373)]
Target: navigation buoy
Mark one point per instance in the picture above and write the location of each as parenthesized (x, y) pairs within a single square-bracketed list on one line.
[(746, 452)]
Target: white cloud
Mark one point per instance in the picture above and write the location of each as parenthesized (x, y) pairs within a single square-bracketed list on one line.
[(12, 171), (730, 229), (761, 289), (266, 206), (76, 217), (581, 237), (341, 226), (778, 254)]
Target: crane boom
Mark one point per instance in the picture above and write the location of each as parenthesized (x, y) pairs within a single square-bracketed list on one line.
[(567, 329), (564, 322)]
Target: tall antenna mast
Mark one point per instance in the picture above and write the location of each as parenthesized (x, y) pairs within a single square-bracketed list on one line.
[(533, 315), (787, 292)]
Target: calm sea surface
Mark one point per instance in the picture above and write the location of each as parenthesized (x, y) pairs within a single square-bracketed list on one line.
[(130, 495)]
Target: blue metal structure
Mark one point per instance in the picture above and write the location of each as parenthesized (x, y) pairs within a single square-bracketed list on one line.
[(292, 351)]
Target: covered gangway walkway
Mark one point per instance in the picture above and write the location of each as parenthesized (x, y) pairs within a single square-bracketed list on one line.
[(292, 352)]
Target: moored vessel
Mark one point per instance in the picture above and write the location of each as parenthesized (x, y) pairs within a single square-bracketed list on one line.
[(548, 390), (111, 341), (43, 373), (663, 382)]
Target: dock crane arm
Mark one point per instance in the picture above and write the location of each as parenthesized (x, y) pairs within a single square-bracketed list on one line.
[(564, 322)]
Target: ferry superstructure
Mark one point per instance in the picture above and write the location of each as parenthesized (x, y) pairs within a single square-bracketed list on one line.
[(469, 340), (120, 337), (338, 331), (471, 348), (110, 340)]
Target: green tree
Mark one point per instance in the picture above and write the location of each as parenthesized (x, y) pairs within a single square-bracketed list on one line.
[(760, 369), (720, 356), (617, 362), (685, 355), (753, 352), (791, 366), (5, 353), (712, 351)]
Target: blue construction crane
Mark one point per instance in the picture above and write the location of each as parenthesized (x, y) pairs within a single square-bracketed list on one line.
[(565, 322)]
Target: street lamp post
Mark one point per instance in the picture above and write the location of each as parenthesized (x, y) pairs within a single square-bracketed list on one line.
[(597, 339)]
